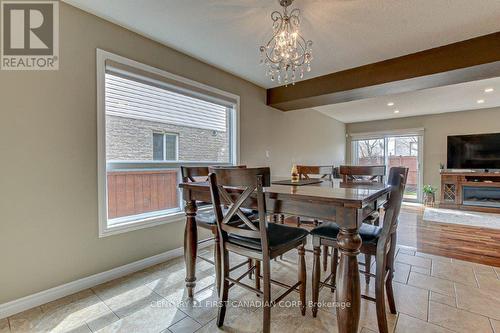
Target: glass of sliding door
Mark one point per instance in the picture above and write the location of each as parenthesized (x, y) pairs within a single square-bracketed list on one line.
[(404, 151), (393, 150), (369, 152)]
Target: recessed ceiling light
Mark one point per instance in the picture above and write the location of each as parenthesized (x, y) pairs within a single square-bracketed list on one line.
[(396, 111), (488, 90), (390, 104), (480, 101)]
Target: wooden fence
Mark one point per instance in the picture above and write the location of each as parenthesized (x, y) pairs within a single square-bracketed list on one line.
[(137, 192)]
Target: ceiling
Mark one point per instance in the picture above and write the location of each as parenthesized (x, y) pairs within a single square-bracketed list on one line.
[(346, 33), (457, 97)]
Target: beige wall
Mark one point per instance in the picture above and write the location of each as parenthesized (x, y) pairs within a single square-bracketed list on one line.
[(436, 129), (48, 178), (305, 137)]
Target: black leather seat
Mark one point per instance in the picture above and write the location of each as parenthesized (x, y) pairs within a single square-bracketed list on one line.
[(369, 233), (278, 234), (208, 216)]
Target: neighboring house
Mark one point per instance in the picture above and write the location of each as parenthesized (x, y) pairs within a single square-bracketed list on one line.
[(129, 139), (145, 123)]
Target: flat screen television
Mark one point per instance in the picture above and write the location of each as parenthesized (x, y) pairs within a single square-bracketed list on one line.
[(479, 151)]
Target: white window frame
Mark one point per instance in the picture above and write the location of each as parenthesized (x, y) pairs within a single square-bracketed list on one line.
[(164, 134), (160, 218)]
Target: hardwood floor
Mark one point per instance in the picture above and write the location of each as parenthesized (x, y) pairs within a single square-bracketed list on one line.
[(480, 245)]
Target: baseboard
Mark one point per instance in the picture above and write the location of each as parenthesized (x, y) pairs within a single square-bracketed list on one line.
[(28, 302)]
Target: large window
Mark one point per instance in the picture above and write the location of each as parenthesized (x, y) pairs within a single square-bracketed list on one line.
[(150, 123)]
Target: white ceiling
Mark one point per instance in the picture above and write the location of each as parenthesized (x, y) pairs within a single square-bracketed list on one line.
[(457, 97), (346, 33)]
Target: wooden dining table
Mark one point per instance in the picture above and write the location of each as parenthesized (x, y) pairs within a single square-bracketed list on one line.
[(346, 204)]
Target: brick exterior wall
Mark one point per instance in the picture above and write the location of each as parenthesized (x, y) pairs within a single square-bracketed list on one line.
[(132, 140)]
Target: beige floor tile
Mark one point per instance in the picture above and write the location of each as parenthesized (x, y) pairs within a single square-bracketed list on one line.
[(79, 312), (407, 324), (458, 320), (34, 320), (411, 300), (186, 325), (401, 272), (236, 320), (148, 319), (433, 257), (431, 283), (173, 288), (406, 251), (457, 273), (486, 281), (82, 307), (443, 299), (4, 326), (496, 325), (129, 301), (368, 317), (324, 322), (366, 330), (485, 302), (421, 270), (202, 307), (413, 260)]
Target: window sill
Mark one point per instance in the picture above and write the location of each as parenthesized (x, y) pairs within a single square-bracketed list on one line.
[(146, 222)]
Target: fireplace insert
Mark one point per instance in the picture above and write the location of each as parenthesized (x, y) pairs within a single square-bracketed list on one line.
[(481, 196)]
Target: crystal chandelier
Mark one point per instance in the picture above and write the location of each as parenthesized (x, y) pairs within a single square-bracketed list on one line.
[(287, 55)]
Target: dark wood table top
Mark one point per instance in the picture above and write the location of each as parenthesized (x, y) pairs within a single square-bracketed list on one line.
[(352, 194)]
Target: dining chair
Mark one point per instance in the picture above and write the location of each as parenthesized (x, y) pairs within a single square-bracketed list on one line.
[(318, 172), (254, 239), (377, 241), (206, 218), (362, 173)]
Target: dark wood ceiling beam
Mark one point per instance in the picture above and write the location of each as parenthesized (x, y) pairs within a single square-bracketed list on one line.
[(473, 59)]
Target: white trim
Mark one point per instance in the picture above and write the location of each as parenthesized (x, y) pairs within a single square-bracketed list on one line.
[(402, 132), (101, 57), (49, 295)]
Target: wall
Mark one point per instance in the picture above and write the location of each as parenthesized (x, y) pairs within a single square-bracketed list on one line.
[(48, 147), (132, 140), (305, 137), (436, 129)]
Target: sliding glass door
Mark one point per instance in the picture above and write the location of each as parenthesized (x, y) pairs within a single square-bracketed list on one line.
[(393, 150)]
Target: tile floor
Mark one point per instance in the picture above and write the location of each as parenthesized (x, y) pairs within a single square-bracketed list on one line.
[(433, 294)]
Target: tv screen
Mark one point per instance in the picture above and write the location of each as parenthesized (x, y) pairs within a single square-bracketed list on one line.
[(481, 151)]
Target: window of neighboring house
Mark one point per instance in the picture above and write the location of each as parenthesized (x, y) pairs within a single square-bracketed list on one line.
[(164, 147), (151, 122)]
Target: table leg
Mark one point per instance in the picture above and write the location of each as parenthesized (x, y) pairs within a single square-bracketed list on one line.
[(348, 295), (190, 246)]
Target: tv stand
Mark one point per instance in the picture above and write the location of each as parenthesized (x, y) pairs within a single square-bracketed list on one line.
[(470, 190)]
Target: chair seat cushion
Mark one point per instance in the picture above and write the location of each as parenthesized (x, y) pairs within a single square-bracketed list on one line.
[(369, 233), (279, 235), (208, 216)]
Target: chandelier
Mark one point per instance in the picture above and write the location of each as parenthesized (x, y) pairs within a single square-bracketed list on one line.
[(287, 54)]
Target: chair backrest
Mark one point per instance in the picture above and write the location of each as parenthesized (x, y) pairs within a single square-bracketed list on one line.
[(397, 181), (193, 173), (353, 173), (248, 182), (305, 171), (200, 173)]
